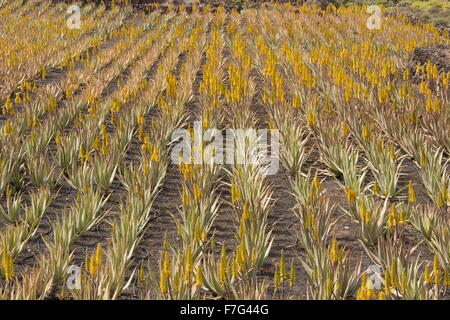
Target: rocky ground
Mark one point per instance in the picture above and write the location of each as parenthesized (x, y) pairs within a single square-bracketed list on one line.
[(439, 55)]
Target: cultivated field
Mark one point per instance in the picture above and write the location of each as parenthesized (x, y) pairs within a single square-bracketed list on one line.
[(97, 202)]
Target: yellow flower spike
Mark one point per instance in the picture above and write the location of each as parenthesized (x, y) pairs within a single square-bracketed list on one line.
[(351, 195), (105, 145), (366, 133), (376, 189), (141, 133), (197, 192), (430, 100), (392, 219), (271, 125), (329, 287), (43, 73), (166, 264), (235, 193), (439, 201), (190, 169), (242, 228), (370, 291), (402, 218), (86, 262), (437, 271), (17, 98), (34, 122), (345, 128), (394, 274), (317, 186), (144, 148), (184, 170), (58, 138), (309, 223), (179, 227), (381, 295), (163, 282), (447, 277), (188, 267), (234, 273), (96, 143), (423, 158), (292, 275), (99, 255), (387, 283), (296, 102), (68, 92), (240, 258), (362, 291), (177, 282), (365, 214), (199, 277), (155, 154), (245, 212), (197, 233), (426, 275), (334, 251), (342, 255), (206, 121), (8, 107), (411, 193), (185, 197), (81, 153), (276, 279), (145, 168), (104, 133), (311, 117), (7, 263), (141, 274), (392, 152), (364, 281), (92, 267)]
